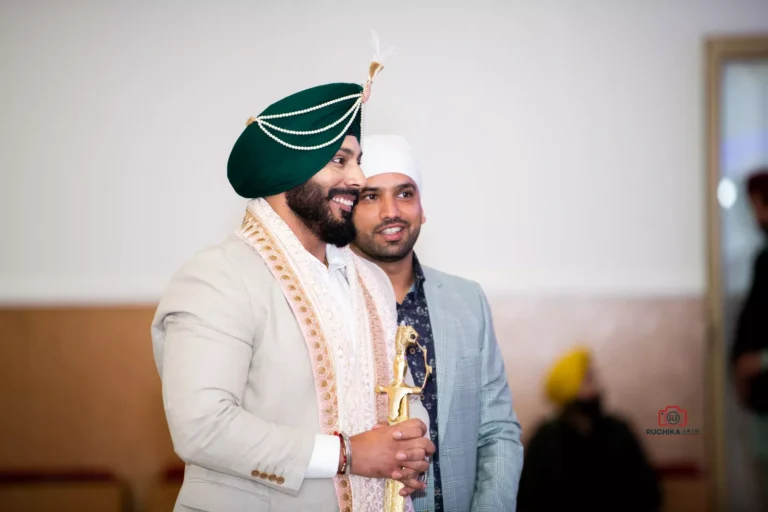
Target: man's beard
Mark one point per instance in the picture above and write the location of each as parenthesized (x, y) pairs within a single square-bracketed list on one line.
[(310, 204), (385, 252)]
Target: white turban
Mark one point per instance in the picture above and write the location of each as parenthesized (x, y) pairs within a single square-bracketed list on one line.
[(389, 153)]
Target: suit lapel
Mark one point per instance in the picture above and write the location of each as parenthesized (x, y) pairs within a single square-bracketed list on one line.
[(445, 359)]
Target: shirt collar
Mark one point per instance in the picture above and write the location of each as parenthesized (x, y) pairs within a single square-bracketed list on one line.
[(418, 276), (337, 260), (418, 273)]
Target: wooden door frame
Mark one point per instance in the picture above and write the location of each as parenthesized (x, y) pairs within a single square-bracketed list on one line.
[(719, 51)]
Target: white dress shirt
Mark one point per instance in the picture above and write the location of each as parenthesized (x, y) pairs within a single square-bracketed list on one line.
[(325, 456)]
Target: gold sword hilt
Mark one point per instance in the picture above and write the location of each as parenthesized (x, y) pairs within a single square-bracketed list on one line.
[(398, 393)]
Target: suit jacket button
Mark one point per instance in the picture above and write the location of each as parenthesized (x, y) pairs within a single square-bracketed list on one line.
[(272, 478), (255, 473), (280, 480), (263, 476)]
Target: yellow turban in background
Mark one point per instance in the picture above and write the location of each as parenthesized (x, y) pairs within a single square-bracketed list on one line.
[(566, 375)]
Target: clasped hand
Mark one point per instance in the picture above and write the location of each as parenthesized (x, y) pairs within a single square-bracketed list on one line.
[(400, 452)]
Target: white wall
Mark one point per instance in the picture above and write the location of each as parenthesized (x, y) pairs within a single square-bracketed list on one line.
[(562, 142)]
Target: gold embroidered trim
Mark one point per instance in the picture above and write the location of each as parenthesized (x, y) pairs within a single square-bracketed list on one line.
[(261, 240), (378, 340)]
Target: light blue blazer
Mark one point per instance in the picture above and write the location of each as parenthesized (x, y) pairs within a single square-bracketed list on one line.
[(481, 455)]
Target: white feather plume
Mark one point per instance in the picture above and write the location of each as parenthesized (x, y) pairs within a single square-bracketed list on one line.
[(378, 55)]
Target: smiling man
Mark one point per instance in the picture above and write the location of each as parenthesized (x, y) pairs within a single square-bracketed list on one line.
[(270, 344), (479, 456)]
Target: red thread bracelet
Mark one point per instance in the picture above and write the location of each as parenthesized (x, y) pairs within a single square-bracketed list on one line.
[(343, 467)]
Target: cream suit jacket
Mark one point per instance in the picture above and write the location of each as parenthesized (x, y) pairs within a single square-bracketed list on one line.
[(238, 386)]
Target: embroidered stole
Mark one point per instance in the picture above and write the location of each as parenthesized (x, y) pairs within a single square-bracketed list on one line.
[(345, 370)]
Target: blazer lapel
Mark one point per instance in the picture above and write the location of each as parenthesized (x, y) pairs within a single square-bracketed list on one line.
[(444, 351)]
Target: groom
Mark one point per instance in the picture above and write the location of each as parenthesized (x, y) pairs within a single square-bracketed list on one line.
[(270, 345)]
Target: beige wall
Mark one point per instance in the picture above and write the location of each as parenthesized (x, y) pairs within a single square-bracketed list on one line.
[(649, 353), (80, 387)]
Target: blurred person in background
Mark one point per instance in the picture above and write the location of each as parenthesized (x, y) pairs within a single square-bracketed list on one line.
[(584, 457), (749, 353)]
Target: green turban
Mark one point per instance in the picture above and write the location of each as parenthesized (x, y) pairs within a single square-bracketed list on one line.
[(261, 166)]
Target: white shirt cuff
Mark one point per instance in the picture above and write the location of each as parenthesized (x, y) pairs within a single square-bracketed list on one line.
[(324, 462)]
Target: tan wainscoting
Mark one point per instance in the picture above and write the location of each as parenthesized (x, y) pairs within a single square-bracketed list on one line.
[(46, 491), (80, 390), (164, 494), (684, 487), (80, 387)]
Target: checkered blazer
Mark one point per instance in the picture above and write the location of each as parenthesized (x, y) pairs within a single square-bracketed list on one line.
[(481, 455)]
